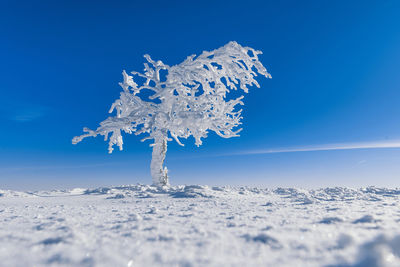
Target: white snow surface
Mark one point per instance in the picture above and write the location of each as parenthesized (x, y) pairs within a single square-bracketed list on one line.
[(141, 225)]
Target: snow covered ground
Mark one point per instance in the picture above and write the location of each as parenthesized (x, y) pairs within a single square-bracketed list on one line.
[(200, 226)]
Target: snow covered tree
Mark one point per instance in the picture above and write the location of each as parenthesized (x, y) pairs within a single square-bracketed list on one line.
[(190, 99)]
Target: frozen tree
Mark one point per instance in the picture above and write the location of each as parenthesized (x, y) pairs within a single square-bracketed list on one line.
[(188, 99)]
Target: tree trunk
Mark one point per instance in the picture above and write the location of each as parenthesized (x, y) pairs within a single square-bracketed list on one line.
[(159, 173)]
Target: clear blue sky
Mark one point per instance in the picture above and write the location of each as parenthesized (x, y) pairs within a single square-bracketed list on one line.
[(335, 68)]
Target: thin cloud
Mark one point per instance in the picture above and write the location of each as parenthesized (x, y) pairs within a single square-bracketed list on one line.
[(28, 114), (325, 147)]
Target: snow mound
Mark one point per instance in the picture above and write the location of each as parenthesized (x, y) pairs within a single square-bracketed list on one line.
[(382, 251), (265, 239), (146, 191), (330, 220), (11, 194), (365, 219)]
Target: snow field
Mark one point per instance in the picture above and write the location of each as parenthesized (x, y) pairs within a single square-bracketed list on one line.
[(200, 226)]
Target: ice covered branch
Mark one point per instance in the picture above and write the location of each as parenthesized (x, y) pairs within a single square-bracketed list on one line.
[(191, 101)]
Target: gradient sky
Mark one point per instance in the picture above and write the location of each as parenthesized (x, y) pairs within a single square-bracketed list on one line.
[(335, 83)]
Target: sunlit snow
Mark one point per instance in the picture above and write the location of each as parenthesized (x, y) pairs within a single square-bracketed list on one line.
[(200, 226)]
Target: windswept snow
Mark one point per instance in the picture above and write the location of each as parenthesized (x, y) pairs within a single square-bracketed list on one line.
[(200, 226)]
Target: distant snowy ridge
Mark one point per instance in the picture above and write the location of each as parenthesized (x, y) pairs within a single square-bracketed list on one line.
[(305, 196)]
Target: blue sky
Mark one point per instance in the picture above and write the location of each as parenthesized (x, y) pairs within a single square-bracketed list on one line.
[(335, 81)]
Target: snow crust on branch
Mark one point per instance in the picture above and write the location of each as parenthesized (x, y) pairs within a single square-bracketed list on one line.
[(190, 101)]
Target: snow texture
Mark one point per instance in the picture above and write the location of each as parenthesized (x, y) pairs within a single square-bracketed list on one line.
[(190, 100), (200, 226)]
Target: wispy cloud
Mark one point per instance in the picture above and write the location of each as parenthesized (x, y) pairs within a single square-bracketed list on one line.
[(324, 147), (28, 114)]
